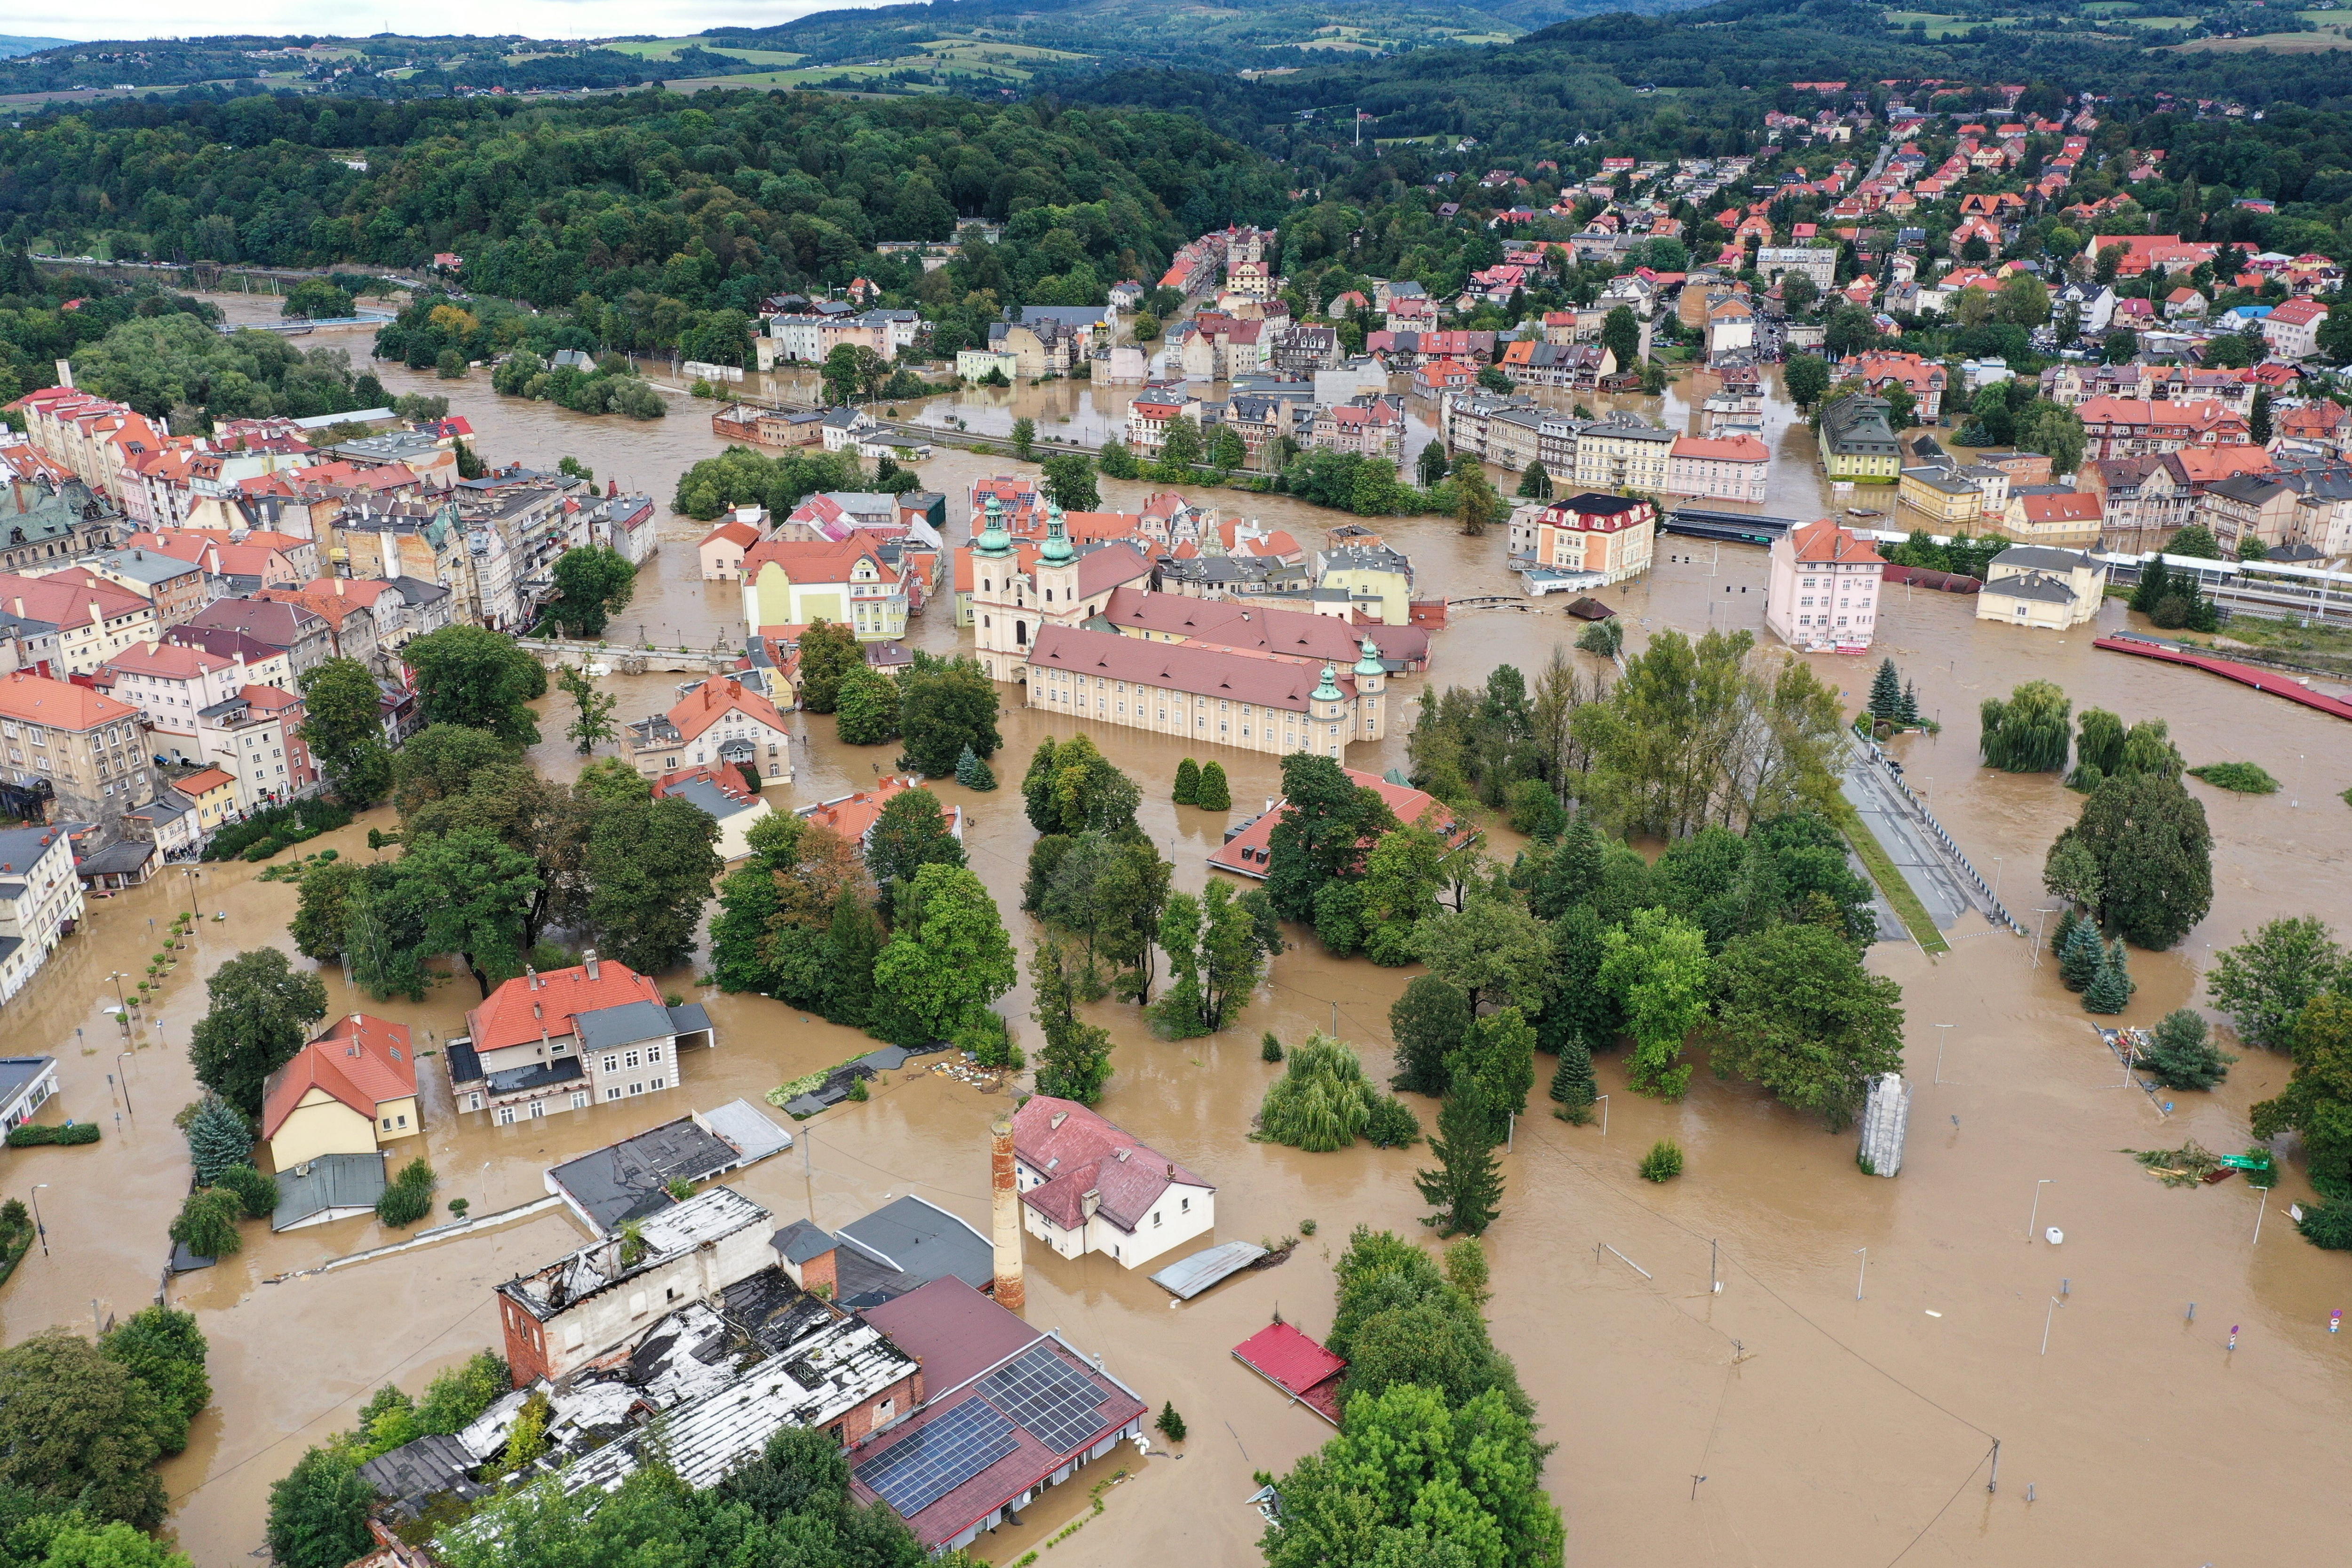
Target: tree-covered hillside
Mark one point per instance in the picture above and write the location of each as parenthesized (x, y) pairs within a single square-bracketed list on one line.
[(1693, 82), (718, 201)]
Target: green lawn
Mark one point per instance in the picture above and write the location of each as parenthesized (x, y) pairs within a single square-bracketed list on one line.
[(1890, 879), (667, 49)]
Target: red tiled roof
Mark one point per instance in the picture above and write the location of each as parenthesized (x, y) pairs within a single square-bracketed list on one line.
[(714, 700), (852, 816), (1253, 629), (171, 661), (524, 1009), (363, 1061), (1179, 667), (1245, 852), (61, 705), (1722, 448), (65, 602), (203, 783), (1078, 1153), (1825, 541), (1108, 568), (2069, 506)]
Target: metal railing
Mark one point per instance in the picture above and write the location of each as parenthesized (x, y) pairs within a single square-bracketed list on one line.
[(1995, 909)]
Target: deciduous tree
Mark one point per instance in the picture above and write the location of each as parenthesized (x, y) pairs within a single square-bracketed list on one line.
[(593, 582), (1796, 1013), (478, 677), (343, 726), (260, 1012), (2265, 983), (1656, 968), (950, 958)]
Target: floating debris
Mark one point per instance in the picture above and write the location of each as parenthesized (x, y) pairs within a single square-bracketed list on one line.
[(2189, 1165)]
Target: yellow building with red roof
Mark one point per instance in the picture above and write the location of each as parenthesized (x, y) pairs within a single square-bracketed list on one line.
[(350, 1091)]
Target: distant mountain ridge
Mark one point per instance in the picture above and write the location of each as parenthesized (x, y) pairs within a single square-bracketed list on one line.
[(12, 47)]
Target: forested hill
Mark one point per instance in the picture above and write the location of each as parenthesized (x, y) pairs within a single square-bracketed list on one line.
[(716, 202), (1693, 82)]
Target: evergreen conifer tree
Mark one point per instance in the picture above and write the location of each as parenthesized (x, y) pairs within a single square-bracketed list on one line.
[(2111, 988), (218, 1137), (2155, 585), (1910, 714), (2078, 965), (1467, 1186), (1188, 783), (2067, 922), (1571, 1081), (973, 774), (1887, 692), (1214, 794)]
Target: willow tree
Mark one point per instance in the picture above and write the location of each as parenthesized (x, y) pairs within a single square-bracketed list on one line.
[(1711, 731), (2028, 732), (1324, 1102)]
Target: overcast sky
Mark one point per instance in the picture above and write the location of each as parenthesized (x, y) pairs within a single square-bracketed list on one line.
[(538, 18)]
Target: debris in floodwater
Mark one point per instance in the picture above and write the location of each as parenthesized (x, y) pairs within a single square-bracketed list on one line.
[(2186, 1166)]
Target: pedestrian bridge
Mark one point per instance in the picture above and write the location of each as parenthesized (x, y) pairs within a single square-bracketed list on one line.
[(618, 659)]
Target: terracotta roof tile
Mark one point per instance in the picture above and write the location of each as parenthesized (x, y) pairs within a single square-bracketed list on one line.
[(363, 1061)]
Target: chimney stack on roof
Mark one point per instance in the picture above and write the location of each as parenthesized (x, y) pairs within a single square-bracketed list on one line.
[(1004, 1206), (589, 962)]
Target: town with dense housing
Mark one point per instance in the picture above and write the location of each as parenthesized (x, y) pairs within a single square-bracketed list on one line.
[(876, 793)]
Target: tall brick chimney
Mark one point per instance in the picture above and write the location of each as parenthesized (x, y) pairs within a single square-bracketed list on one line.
[(1005, 1204)]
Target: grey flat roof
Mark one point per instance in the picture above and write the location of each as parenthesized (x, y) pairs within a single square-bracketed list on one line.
[(626, 1025), (2047, 556), (417, 1472), (1188, 1277), (19, 1073), (630, 1179), (802, 1240), (538, 1075), (752, 1131), (329, 1182), (913, 1243), (119, 858)]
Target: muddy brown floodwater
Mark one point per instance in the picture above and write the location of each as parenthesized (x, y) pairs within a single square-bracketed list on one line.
[(1828, 1430)]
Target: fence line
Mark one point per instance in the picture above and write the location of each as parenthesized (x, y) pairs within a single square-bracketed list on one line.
[(1996, 910)]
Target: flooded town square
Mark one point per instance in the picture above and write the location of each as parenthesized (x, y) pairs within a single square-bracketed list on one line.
[(1842, 1397)]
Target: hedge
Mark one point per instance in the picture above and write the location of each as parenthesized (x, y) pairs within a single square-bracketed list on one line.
[(33, 1133)]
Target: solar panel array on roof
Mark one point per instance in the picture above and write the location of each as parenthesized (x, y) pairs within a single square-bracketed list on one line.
[(939, 1456), (1057, 1404)]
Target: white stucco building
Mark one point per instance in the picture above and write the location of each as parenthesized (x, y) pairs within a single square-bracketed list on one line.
[(1088, 1187)]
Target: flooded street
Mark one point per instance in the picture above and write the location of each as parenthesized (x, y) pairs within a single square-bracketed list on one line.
[(1828, 1430)]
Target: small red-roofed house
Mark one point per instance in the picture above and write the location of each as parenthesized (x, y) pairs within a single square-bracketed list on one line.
[(1088, 1187), (350, 1091), (1296, 1365), (569, 1038), (722, 721)]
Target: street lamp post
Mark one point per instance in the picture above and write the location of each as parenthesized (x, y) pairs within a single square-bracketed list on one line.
[(38, 1229), (1996, 878), (1940, 1038), (120, 1059), (2035, 1216), (1604, 1114), (1858, 1278), (117, 976), (2045, 912), (193, 877)]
